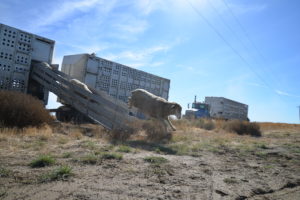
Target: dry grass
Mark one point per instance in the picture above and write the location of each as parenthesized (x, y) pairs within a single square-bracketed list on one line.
[(148, 130), (192, 140), (189, 139), (236, 126), (243, 128), (278, 126), (22, 110), (121, 134), (156, 132), (207, 124), (41, 134), (95, 160)]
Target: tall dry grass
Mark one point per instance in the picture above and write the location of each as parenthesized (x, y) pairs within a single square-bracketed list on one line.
[(41, 131), (243, 127), (148, 130), (272, 126), (235, 126)]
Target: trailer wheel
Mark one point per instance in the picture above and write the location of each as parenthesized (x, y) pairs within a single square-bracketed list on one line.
[(68, 114)]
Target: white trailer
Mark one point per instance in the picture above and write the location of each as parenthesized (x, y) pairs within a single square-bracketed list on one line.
[(115, 79), (18, 50), (223, 108)]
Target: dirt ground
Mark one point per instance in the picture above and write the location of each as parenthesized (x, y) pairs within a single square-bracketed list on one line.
[(198, 164)]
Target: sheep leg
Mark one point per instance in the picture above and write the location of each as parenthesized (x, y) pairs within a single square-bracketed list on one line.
[(129, 103), (170, 124), (164, 124)]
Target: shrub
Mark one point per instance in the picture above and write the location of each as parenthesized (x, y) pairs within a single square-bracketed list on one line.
[(42, 161), (5, 172), (230, 180), (155, 160), (243, 128), (180, 148), (89, 159), (155, 131), (67, 155), (209, 125), (116, 156), (61, 173), (124, 148), (21, 110), (89, 144), (206, 124), (121, 134), (183, 124)]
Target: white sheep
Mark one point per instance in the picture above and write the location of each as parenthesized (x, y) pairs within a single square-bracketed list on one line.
[(154, 106), (81, 85), (45, 64)]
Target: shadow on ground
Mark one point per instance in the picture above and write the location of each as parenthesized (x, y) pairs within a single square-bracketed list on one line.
[(149, 146)]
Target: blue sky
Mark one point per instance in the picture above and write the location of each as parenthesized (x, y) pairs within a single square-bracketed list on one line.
[(248, 51)]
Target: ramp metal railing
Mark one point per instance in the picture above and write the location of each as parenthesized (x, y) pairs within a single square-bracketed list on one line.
[(99, 106)]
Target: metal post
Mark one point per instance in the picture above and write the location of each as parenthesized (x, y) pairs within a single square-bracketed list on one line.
[(299, 114)]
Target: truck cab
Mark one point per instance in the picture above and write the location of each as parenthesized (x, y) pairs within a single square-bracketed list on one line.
[(201, 109), (198, 110)]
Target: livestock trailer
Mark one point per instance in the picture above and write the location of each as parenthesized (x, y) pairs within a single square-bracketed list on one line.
[(25, 66), (18, 50), (224, 108), (115, 79)]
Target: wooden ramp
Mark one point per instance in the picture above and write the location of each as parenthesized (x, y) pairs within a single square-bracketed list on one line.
[(99, 106)]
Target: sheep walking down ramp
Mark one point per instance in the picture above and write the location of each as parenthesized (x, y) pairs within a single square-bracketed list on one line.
[(81, 84), (155, 107)]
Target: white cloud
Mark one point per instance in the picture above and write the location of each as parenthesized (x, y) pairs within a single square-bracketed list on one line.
[(256, 85), (140, 57), (156, 64), (145, 64), (148, 6), (132, 25), (286, 94), (182, 8), (141, 54), (93, 48), (244, 9), (66, 9)]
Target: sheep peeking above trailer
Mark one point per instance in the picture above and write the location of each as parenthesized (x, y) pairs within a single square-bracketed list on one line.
[(46, 65), (154, 106), (81, 84)]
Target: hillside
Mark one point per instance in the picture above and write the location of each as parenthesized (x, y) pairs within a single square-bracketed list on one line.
[(79, 162)]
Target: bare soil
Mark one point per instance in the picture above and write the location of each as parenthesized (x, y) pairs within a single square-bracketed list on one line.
[(200, 165)]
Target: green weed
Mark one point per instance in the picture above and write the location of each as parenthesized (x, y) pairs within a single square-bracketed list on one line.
[(107, 155), (5, 172), (156, 160), (180, 149), (89, 145), (42, 161), (61, 173), (67, 155), (89, 159), (124, 148), (230, 180)]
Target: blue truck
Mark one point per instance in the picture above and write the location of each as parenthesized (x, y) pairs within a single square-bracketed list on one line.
[(198, 110)]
